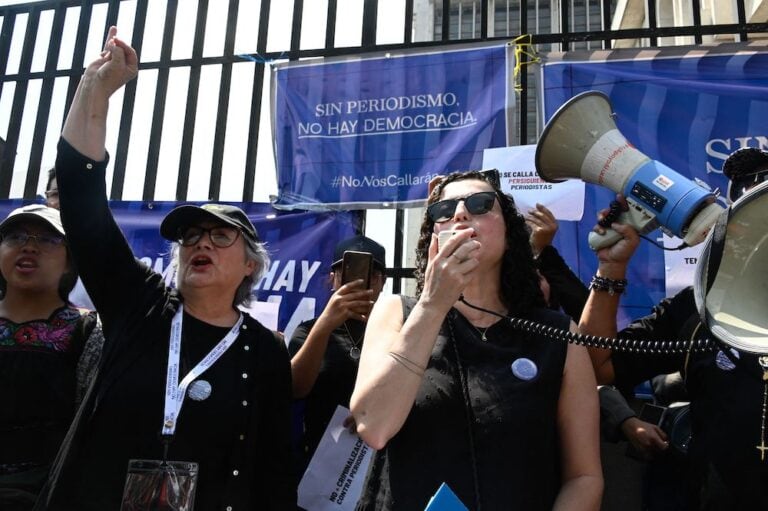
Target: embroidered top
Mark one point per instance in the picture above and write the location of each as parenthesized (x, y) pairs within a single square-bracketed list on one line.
[(38, 361)]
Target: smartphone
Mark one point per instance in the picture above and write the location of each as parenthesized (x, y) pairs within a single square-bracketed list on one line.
[(355, 266), (444, 236), (652, 413)]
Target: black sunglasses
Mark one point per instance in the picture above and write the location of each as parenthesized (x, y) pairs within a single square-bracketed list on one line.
[(477, 204)]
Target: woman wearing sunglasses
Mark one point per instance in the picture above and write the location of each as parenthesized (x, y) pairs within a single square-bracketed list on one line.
[(449, 393), (191, 390), (42, 338)]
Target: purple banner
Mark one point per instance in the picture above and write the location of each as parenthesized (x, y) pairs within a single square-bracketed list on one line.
[(371, 132), (300, 244)]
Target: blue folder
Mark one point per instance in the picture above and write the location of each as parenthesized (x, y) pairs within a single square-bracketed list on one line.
[(445, 500)]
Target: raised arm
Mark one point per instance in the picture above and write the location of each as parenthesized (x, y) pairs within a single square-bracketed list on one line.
[(86, 125), (599, 315), (397, 351), (104, 259)]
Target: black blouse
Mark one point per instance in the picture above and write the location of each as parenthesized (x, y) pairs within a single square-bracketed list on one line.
[(484, 419)]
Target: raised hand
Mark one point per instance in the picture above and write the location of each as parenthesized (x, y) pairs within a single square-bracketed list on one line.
[(116, 65), (350, 301), (86, 125), (543, 225), (449, 268), (619, 253)]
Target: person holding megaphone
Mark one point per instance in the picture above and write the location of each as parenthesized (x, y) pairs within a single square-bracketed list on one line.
[(448, 392), (728, 382)]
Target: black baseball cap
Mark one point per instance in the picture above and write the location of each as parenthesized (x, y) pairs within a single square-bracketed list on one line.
[(188, 215), (360, 244), (48, 215)]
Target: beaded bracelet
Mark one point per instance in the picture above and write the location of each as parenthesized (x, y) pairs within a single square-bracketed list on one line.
[(613, 286)]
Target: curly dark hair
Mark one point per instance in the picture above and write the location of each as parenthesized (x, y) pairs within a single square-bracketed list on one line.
[(520, 291), (745, 162)]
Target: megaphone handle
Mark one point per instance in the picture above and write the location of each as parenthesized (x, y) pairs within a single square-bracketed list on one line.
[(637, 216)]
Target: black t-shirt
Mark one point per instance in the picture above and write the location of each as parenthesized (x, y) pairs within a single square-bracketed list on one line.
[(334, 384)]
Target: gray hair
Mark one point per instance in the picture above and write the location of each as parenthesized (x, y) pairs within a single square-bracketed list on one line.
[(254, 251)]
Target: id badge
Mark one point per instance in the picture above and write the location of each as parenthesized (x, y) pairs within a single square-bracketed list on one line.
[(160, 486)]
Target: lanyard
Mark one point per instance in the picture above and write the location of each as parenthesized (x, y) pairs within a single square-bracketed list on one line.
[(174, 395)]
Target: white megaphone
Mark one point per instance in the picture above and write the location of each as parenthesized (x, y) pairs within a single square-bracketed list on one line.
[(581, 141)]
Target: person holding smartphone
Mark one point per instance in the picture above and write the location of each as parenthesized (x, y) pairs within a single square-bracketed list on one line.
[(325, 350)]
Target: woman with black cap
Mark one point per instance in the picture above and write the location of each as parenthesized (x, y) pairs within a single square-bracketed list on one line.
[(42, 338), (193, 393)]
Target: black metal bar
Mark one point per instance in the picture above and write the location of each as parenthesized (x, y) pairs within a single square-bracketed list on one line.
[(696, 6), (161, 95), (256, 94), (446, 26), (78, 55), (396, 274), (565, 27), (330, 25), (113, 10), (17, 109), (223, 107), (606, 22), (537, 39), (44, 106), (483, 19), (652, 23), (408, 29), (741, 13), (9, 21), (298, 12), (190, 115), (126, 114), (398, 255), (522, 104), (370, 15)]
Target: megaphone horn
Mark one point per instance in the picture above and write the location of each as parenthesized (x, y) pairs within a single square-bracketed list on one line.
[(581, 141)]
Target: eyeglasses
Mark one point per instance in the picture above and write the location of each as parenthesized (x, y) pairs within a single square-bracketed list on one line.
[(477, 204), (45, 242), (51, 194), (220, 236)]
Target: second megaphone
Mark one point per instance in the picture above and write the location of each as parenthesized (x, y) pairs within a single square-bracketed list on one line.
[(581, 141)]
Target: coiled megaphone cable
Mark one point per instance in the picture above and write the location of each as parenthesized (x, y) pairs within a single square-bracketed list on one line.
[(640, 346)]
